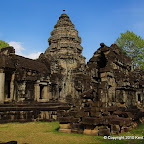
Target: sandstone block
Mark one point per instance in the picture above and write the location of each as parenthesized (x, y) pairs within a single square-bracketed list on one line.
[(94, 132), (115, 128), (104, 132), (102, 127), (64, 126), (77, 126), (103, 75), (65, 119), (90, 132), (95, 114), (92, 121), (65, 130), (126, 129), (87, 131)]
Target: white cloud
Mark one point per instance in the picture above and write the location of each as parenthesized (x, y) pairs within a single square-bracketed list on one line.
[(17, 46), (19, 50), (33, 55)]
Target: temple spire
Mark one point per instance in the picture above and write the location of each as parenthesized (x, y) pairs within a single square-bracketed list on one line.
[(64, 38)]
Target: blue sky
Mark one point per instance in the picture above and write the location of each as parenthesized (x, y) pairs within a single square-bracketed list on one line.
[(26, 24)]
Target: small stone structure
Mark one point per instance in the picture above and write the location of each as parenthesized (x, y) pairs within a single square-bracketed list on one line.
[(101, 97)]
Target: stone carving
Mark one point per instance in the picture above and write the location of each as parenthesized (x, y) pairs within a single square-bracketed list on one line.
[(101, 97)]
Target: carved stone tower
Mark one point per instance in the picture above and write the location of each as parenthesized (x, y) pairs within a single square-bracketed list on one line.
[(65, 48)]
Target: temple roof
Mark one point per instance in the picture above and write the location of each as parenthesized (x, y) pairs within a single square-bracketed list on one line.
[(8, 59)]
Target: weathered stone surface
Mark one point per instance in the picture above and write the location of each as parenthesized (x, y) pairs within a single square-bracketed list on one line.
[(65, 119), (65, 130), (104, 132), (115, 128), (90, 132), (96, 98), (64, 126), (92, 120), (126, 129), (96, 114)]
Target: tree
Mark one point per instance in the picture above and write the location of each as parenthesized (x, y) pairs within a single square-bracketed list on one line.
[(133, 46), (3, 44)]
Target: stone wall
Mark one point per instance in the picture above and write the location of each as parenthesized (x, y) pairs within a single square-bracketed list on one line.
[(111, 101), (91, 117), (30, 112)]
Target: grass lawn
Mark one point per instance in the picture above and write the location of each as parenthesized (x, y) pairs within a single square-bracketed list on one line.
[(46, 133)]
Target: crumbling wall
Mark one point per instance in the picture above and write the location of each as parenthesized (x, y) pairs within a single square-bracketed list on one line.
[(92, 117), (110, 105)]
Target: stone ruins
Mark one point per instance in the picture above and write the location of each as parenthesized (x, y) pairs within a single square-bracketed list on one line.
[(101, 97)]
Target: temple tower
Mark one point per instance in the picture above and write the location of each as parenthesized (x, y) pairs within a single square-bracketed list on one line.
[(65, 48)]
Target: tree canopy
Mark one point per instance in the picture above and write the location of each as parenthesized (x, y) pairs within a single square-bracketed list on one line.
[(3, 44), (133, 46)]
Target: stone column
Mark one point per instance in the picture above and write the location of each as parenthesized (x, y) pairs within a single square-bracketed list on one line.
[(12, 87), (45, 93), (37, 92), (2, 83)]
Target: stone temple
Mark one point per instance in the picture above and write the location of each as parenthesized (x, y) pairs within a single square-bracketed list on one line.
[(101, 97)]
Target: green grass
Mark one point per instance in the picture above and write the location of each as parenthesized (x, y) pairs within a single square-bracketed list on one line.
[(46, 133)]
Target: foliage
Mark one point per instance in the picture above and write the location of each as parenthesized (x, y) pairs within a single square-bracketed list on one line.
[(3, 44), (133, 46)]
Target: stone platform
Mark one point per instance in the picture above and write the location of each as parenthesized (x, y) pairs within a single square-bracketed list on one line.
[(30, 112)]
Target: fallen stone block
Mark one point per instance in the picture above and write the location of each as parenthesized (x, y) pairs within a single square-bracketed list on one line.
[(65, 119), (92, 120), (102, 127), (115, 128), (90, 132), (77, 126), (65, 130), (104, 132), (64, 126), (126, 129)]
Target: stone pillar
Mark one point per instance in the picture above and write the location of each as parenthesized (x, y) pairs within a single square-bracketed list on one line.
[(37, 92), (12, 87), (49, 92), (2, 83), (45, 93)]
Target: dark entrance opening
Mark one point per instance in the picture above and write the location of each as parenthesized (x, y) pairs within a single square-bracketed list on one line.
[(60, 91), (41, 91), (139, 97), (8, 76), (102, 61)]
